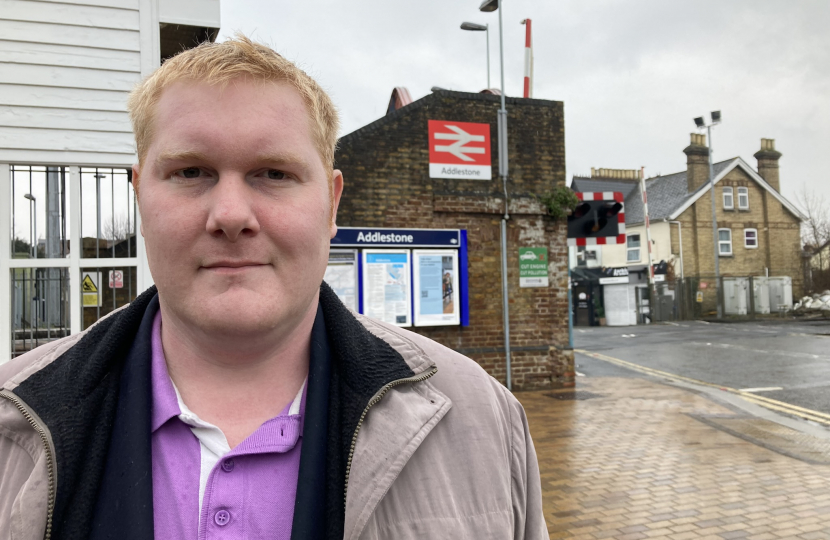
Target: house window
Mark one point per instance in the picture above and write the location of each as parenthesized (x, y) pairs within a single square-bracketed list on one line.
[(751, 238), (725, 242), (728, 199), (743, 198), (633, 245)]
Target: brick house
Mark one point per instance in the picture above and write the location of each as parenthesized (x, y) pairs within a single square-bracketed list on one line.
[(385, 165), (759, 231)]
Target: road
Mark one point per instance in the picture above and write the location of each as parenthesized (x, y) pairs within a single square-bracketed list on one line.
[(784, 361)]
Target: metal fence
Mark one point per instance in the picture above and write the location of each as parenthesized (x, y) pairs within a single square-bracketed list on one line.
[(738, 297), (40, 307)]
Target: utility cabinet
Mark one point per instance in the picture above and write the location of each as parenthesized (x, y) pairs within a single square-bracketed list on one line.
[(780, 293), (735, 299), (760, 285)]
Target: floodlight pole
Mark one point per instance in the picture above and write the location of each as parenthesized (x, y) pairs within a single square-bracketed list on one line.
[(715, 234)]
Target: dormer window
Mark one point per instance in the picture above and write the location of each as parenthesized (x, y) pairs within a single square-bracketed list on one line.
[(728, 199), (743, 198)]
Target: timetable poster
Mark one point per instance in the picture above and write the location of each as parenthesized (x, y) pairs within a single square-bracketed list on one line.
[(386, 287), (436, 287), (341, 275)]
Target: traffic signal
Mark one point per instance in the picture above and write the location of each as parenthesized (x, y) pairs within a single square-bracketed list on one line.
[(597, 219)]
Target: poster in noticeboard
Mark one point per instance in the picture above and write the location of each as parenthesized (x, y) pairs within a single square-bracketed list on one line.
[(341, 275), (387, 293), (436, 287)]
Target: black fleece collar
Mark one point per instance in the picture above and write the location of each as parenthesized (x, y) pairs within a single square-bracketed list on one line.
[(87, 399)]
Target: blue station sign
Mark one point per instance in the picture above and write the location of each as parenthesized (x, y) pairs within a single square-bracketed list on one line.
[(381, 237)]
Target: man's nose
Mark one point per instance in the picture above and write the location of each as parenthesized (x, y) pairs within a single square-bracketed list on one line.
[(232, 209)]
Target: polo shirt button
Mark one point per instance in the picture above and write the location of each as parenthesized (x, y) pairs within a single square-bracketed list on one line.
[(222, 517), (227, 465)]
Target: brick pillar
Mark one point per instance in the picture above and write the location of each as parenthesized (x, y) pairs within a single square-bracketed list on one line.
[(697, 162), (768, 158)]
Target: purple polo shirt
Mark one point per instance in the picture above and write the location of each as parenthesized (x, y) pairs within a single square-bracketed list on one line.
[(249, 492)]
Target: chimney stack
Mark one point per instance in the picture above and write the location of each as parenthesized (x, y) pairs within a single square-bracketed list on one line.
[(620, 175), (697, 162), (768, 158)]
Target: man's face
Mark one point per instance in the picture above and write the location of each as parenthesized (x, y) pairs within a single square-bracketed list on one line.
[(235, 207)]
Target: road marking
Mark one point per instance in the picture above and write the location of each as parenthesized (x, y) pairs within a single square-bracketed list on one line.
[(766, 402), (578, 374), (703, 322), (791, 354), (672, 323), (763, 389)]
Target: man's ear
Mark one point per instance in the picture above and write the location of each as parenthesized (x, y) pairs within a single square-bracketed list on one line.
[(336, 192), (136, 182)]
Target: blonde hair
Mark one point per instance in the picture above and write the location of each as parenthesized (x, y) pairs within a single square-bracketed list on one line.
[(220, 63)]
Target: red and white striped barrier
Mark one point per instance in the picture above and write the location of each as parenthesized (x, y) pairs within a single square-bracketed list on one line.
[(602, 196), (528, 60)]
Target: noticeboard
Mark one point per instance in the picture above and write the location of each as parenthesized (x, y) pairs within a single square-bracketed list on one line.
[(341, 276), (436, 280), (533, 267), (387, 293)]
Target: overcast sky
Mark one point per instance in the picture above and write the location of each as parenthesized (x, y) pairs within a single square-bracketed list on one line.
[(632, 74)]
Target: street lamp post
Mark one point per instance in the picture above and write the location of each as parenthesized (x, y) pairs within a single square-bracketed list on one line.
[(700, 123), (33, 200), (475, 27), (489, 6)]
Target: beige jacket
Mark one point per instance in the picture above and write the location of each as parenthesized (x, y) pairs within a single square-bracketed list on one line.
[(448, 455)]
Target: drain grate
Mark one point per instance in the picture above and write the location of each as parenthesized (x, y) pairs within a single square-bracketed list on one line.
[(577, 395), (772, 436)]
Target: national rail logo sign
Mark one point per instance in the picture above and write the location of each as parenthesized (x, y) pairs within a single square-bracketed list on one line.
[(459, 150)]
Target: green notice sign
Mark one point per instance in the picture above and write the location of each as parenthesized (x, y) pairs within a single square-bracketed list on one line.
[(533, 267)]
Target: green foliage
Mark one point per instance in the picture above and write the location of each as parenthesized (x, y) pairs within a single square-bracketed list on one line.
[(560, 202), (599, 311)]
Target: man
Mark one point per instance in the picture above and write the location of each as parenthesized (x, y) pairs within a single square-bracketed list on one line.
[(238, 397)]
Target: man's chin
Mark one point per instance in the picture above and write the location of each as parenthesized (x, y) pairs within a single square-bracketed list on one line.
[(242, 316), (235, 324)]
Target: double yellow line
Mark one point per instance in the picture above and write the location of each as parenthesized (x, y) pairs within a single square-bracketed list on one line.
[(768, 403)]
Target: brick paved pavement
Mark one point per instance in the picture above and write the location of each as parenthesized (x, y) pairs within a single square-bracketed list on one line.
[(631, 464)]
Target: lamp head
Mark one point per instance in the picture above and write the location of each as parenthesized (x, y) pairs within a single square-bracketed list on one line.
[(699, 122), (489, 5), (29, 196), (716, 117), (475, 27)]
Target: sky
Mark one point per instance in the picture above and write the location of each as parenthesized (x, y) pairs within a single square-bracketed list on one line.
[(632, 74)]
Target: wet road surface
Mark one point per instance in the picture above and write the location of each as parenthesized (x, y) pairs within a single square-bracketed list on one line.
[(780, 360)]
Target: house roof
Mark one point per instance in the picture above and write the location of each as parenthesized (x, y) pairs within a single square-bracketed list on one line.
[(668, 195), (719, 175)]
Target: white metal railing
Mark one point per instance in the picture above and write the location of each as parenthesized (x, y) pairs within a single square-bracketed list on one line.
[(23, 275)]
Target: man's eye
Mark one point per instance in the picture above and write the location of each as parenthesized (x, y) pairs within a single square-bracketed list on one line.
[(190, 172), (276, 175)]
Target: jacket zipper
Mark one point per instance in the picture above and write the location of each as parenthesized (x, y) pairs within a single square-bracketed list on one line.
[(50, 508), (375, 399)]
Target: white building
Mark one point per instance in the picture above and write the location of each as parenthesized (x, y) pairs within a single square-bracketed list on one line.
[(69, 252)]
